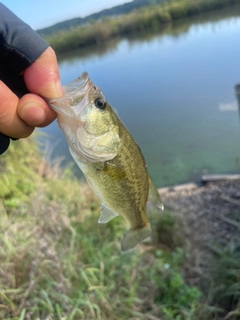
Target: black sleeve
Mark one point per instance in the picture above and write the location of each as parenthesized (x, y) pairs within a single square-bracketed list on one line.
[(20, 46)]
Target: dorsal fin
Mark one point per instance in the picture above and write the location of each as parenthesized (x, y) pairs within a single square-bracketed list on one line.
[(106, 214), (154, 197)]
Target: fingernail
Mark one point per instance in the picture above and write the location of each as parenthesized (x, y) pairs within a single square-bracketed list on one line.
[(51, 90), (32, 113), (59, 88)]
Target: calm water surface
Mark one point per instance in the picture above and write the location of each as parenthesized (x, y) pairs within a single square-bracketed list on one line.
[(175, 92)]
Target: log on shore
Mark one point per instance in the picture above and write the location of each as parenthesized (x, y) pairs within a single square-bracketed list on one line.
[(219, 177)]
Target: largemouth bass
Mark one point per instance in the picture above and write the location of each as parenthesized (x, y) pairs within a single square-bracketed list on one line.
[(108, 156)]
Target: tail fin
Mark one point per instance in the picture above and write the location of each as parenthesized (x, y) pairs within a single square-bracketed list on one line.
[(133, 237)]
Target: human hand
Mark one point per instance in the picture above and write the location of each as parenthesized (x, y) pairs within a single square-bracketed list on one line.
[(19, 116)]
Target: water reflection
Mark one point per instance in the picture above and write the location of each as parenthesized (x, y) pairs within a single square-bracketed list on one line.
[(89, 52), (171, 88)]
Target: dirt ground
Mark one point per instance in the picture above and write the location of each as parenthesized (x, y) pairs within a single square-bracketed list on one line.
[(211, 216)]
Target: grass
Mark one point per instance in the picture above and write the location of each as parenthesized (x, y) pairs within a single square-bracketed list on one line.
[(56, 262), (222, 284), (152, 17)]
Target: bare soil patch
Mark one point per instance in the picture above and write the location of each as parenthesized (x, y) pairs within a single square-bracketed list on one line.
[(211, 216)]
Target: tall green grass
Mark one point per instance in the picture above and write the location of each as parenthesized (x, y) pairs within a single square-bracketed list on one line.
[(221, 284), (56, 262), (152, 17)]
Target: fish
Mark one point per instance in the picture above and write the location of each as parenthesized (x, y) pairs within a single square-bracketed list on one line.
[(108, 156)]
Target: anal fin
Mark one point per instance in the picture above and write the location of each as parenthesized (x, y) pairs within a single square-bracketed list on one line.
[(134, 237), (106, 214)]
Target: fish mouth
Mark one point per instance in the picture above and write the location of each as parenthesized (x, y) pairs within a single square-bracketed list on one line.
[(74, 93), (78, 85)]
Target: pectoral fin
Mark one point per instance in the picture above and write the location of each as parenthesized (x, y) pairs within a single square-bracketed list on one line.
[(133, 237), (106, 214)]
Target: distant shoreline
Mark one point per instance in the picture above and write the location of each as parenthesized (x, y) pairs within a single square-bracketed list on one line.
[(151, 17)]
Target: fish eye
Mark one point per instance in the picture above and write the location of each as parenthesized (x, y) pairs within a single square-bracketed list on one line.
[(100, 103)]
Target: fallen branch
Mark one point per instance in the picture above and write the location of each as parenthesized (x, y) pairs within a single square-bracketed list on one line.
[(231, 200), (228, 220), (219, 177)]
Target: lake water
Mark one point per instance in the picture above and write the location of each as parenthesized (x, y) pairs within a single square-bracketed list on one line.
[(174, 90)]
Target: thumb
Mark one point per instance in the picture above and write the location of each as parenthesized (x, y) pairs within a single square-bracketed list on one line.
[(42, 77)]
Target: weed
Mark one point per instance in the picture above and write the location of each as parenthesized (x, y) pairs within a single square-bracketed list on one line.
[(56, 262), (151, 17)]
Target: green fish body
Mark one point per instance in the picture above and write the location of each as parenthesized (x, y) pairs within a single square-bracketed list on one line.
[(108, 156)]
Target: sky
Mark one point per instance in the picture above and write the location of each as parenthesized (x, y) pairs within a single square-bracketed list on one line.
[(44, 13)]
